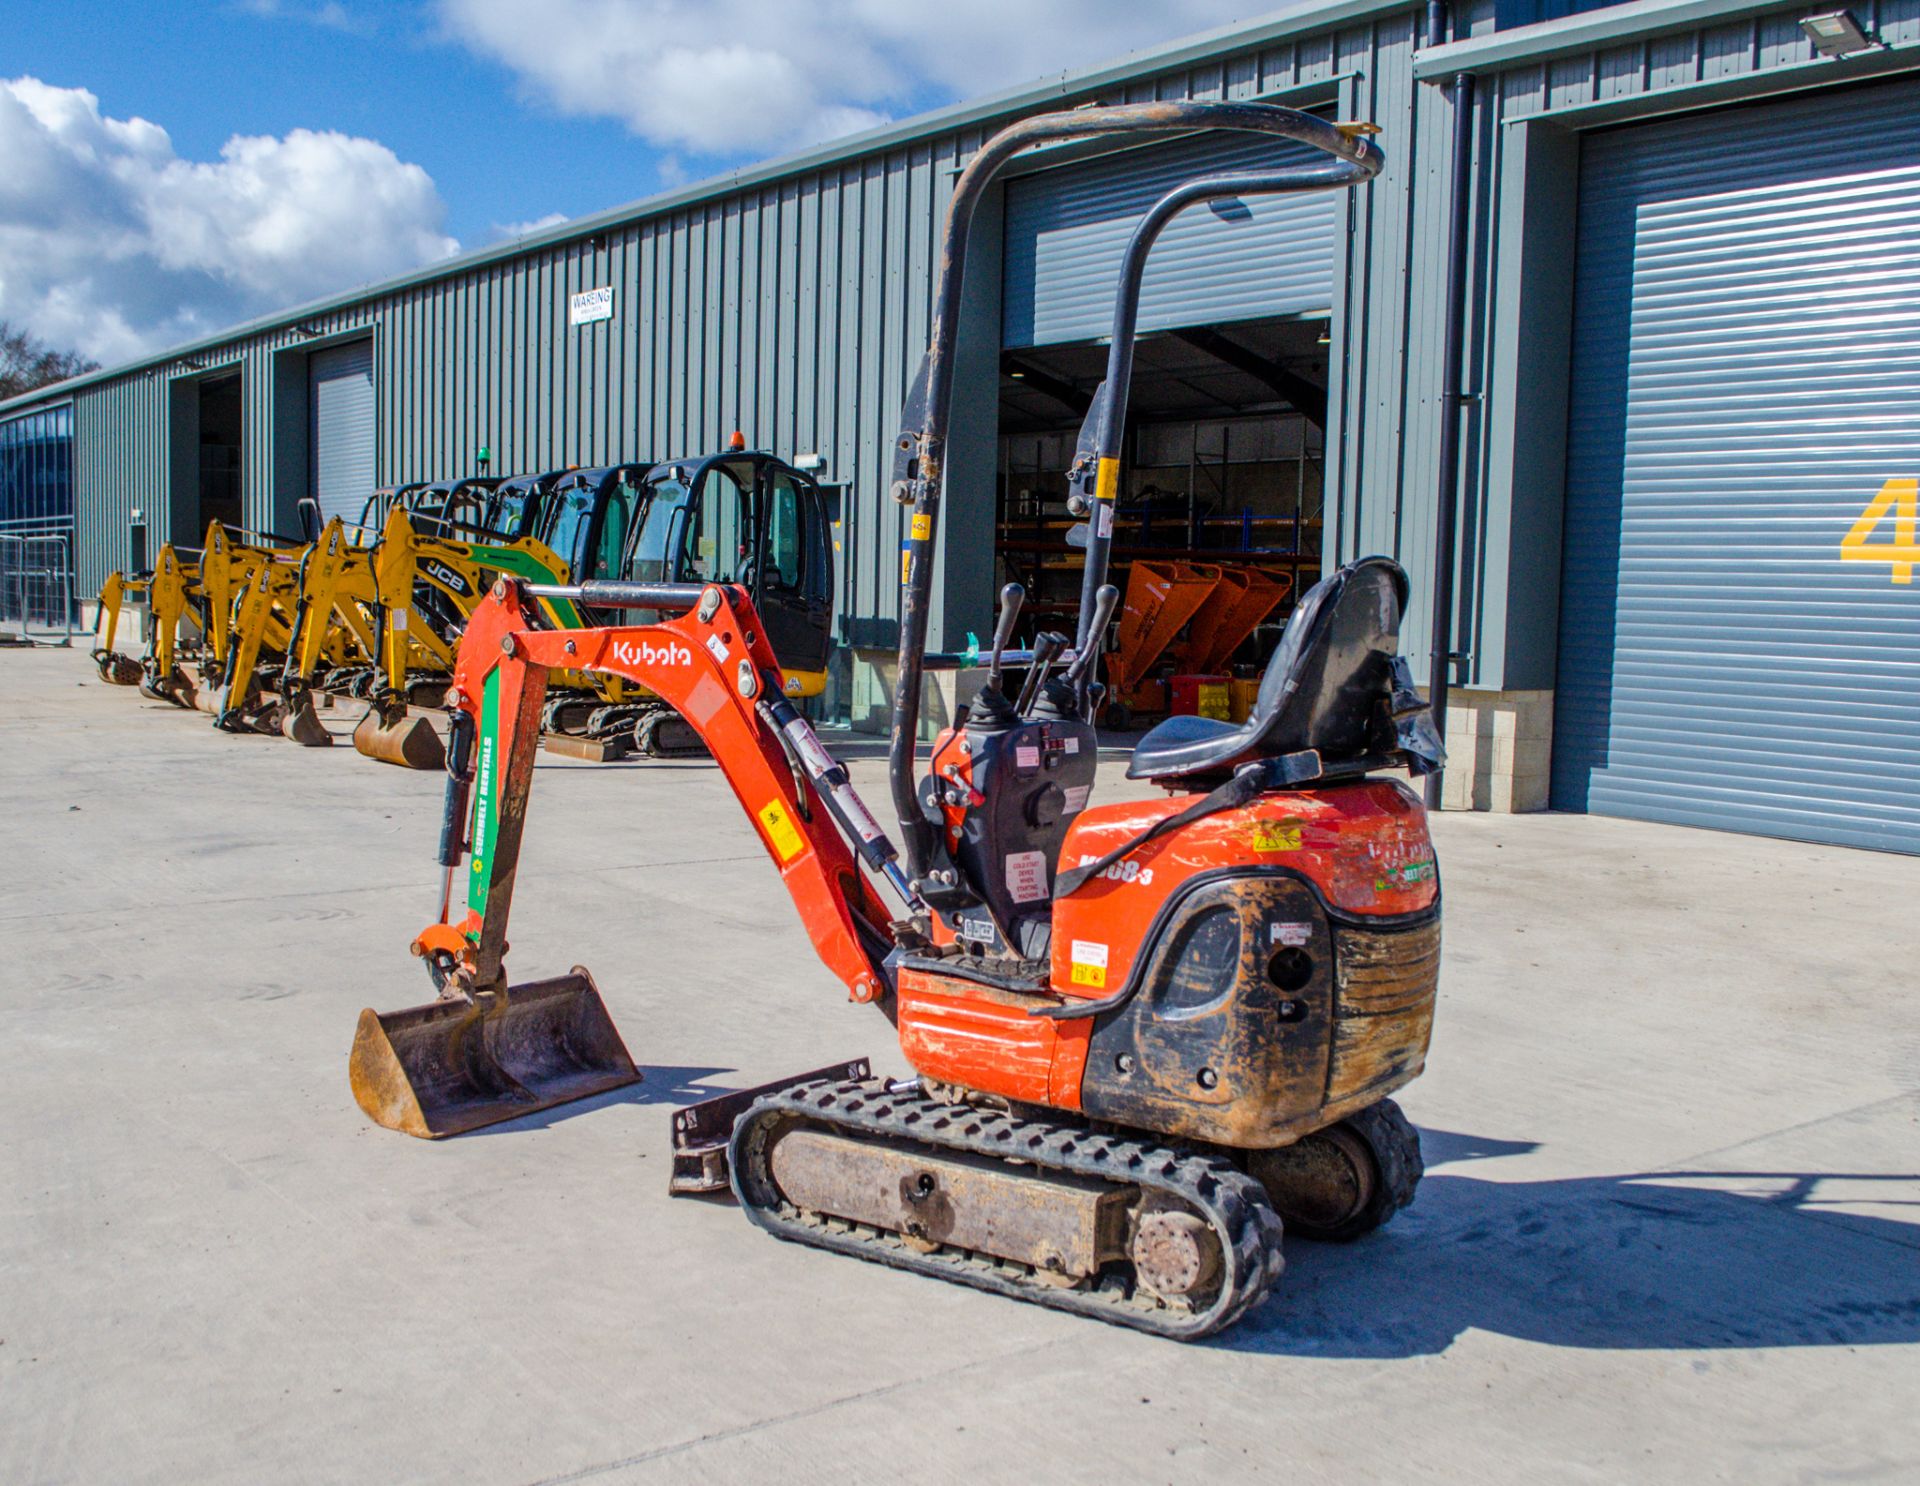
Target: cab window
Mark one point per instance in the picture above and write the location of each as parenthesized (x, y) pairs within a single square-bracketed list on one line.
[(786, 531), (723, 542), (613, 530), (572, 508), (657, 533)]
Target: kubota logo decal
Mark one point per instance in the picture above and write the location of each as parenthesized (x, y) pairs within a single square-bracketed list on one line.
[(646, 653)]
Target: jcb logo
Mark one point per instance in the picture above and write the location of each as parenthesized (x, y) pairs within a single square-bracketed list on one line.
[(447, 578), (646, 653)]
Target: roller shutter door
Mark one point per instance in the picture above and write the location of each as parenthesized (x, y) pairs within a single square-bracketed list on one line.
[(341, 437), (1746, 389), (1067, 228)]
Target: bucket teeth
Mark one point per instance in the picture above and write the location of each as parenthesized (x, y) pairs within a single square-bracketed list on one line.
[(407, 741), (453, 1065)]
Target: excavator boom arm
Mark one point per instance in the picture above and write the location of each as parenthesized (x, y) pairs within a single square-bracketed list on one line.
[(714, 666)]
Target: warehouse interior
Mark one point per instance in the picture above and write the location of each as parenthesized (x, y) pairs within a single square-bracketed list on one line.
[(1223, 461), (216, 478)]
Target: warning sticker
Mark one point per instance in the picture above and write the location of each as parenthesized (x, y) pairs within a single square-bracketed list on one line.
[(787, 842), (1077, 796), (1026, 756), (718, 647), (922, 527), (1292, 935), (1027, 876), (1073, 745), (1089, 963), (1106, 520), (1275, 835), (398, 618)]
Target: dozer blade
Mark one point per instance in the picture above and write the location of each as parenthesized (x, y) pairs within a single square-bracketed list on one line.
[(301, 724), (452, 1066), (407, 741)]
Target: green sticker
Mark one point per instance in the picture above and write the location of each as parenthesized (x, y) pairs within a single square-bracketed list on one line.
[(484, 804)]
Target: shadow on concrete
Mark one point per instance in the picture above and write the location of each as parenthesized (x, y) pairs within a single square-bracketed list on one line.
[(1642, 1261), (659, 1084)]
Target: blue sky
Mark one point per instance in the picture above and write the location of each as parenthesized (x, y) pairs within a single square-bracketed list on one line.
[(173, 169), (205, 72)]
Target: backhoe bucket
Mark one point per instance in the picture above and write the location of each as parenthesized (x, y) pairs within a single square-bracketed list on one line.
[(452, 1066), (301, 724), (407, 741)]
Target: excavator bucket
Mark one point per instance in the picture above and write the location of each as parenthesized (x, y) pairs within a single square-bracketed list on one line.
[(399, 737), (300, 723), (454, 1065)]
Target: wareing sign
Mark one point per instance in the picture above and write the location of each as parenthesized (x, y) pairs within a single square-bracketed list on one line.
[(1896, 501), (590, 305)]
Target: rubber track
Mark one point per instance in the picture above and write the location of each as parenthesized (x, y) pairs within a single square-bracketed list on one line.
[(1233, 1202)]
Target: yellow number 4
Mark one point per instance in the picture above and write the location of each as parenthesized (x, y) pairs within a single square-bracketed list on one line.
[(1900, 497)]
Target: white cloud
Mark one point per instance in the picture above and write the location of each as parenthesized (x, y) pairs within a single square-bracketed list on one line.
[(113, 245), (329, 14), (725, 77)]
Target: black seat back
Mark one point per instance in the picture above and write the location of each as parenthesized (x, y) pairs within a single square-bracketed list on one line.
[(1335, 686), (1330, 675)]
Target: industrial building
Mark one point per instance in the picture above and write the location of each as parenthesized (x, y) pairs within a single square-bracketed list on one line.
[(1678, 424)]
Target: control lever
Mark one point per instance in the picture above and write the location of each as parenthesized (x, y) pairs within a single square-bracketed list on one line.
[(1011, 597), (1045, 648), (1104, 600)]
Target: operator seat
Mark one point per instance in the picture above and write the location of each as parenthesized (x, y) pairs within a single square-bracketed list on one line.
[(1335, 686)]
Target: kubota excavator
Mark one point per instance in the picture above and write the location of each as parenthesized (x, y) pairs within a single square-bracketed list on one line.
[(1142, 1033)]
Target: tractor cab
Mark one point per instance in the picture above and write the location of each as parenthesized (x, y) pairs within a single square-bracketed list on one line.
[(750, 519)]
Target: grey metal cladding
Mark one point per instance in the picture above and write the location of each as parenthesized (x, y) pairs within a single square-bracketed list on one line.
[(1746, 380), (1066, 230), (342, 429)]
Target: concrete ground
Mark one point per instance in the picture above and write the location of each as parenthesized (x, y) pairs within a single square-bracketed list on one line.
[(1670, 1231)]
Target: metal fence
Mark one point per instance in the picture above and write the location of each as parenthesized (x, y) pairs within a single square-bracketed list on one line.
[(36, 580)]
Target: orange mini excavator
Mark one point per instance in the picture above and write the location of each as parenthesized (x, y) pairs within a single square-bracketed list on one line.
[(1143, 1034)]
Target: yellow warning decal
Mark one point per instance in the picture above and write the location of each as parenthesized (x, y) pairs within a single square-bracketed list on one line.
[(906, 564), (1089, 963), (923, 526), (1274, 835), (1106, 480), (787, 841)]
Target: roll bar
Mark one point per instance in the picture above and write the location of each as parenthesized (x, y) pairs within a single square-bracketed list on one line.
[(1093, 482), (919, 468)]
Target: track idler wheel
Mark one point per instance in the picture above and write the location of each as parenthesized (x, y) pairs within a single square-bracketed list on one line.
[(392, 735), (1341, 1183)]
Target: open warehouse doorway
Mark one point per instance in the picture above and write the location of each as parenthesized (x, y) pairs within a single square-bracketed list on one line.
[(1218, 522)]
